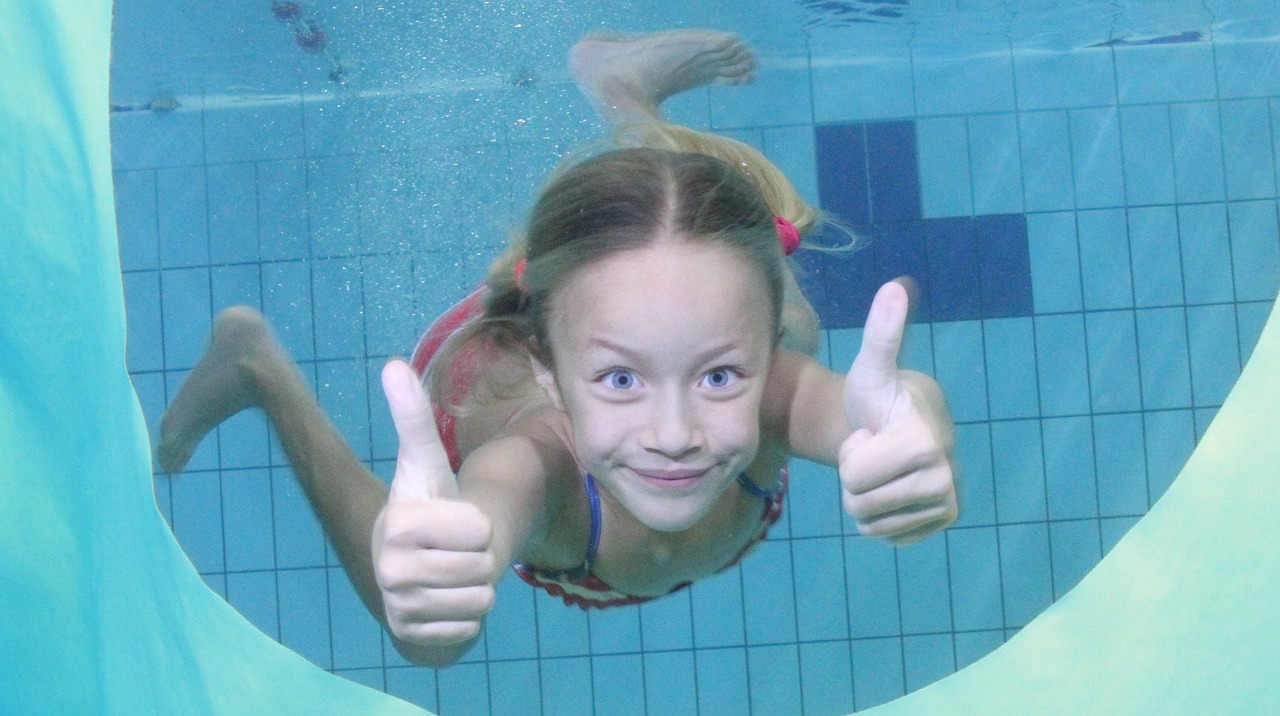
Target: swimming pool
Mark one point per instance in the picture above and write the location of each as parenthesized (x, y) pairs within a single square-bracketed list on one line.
[(1093, 213)]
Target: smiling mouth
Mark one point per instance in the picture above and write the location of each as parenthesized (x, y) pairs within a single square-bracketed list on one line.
[(671, 479)]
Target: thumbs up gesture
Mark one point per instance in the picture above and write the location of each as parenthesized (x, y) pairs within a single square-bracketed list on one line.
[(431, 550), (896, 466)]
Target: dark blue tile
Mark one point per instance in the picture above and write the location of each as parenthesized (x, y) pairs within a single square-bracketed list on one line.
[(900, 251), (842, 171), (953, 269), (849, 283), (893, 172), (1005, 265)]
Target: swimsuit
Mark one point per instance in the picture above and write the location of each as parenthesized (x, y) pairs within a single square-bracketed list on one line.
[(577, 587)]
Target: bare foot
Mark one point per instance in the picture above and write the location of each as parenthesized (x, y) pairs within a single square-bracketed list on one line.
[(627, 77), (221, 385)]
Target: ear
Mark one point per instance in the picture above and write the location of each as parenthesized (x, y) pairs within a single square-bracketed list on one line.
[(547, 381)]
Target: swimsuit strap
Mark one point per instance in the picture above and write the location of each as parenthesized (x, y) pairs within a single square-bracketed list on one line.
[(767, 495), (593, 545)]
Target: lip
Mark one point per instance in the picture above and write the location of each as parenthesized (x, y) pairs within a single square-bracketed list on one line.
[(671, 479)]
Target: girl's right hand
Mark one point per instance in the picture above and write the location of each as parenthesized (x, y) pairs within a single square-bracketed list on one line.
[(431, 550)]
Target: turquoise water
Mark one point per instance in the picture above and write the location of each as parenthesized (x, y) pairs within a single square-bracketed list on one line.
[(1142, 160)]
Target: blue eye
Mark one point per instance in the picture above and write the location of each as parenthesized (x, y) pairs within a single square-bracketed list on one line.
[(719, 378), (620, 379)]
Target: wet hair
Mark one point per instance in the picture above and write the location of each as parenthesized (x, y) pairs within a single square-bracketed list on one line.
[(681, 185)]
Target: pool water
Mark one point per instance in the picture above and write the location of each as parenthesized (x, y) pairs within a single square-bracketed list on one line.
[(1086, 193)]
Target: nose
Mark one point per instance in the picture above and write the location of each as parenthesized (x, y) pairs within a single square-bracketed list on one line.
[(675, 430)]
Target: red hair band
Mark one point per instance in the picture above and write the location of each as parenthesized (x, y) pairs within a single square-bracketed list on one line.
[(788, 235)]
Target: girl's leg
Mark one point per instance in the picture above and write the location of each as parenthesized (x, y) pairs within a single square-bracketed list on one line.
[(246, 367)]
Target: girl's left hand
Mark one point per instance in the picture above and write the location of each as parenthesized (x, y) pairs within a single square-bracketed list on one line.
[(896, 467)]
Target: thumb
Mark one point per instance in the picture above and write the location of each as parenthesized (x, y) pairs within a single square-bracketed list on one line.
[(422, 465), (872, 382)]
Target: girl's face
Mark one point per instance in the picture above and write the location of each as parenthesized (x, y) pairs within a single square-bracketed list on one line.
[(661, 356)]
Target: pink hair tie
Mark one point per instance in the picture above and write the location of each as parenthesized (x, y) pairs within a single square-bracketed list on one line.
[(519, 275), (788, 235)]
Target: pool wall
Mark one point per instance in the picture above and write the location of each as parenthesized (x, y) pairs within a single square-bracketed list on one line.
[(1131, 192)]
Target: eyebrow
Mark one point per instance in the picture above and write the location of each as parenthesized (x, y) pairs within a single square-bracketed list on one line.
[(630, 354)]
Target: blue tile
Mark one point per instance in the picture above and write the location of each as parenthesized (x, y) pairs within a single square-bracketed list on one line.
[(1004, 265), (356, 636), (1197, 152), (670, 684), (877, 673), (286, 302), (561, 631), (1215, 356), (246, 499), (233, 213), (778, 96), (793, 150), (1157, 280), (1079, 78), (1046, 158), (1071, 485), (975, 645), (337, 287), (843, 185), (848, 283), (511, 629), (1113, 361), (282, 210), (1163, 358), (146, 332), (769, 610), (900, 250), (722, 681), (1206, 253), (1203, 418), (826, 677), (773, 676), (1255, 253), (1054, 256), (197, 519), (333, 204), (147, 140), (304, 614), (181, 215), (996, 164), (1104, 259), (1011, 368), (813, 500), (1096, 157), (186, 315), (667, 623), (1113, 529), (343, 394), (916, 352), (463, 689), (872, 588), (712, 599), (861, 91), (615, 631), (1246, 140), (618, 684), (821, 602), (1148, 155), (562, 686), (1061, 365), (927, 658), (952, 255), (1174, 431), (1018, 452), (975, 579), (511, 687), (943, 146), (1025, 573), (299, 541), (136, 220), (254, 595), (390, 327), (1238, 66), (987, 81), (1251, 317), (1075, 548), (336, 128), (253, 132), (1165, 73), (894, 183), (977, 487), (925, 587), (417, 685), (963, 374), (1121, 459)]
